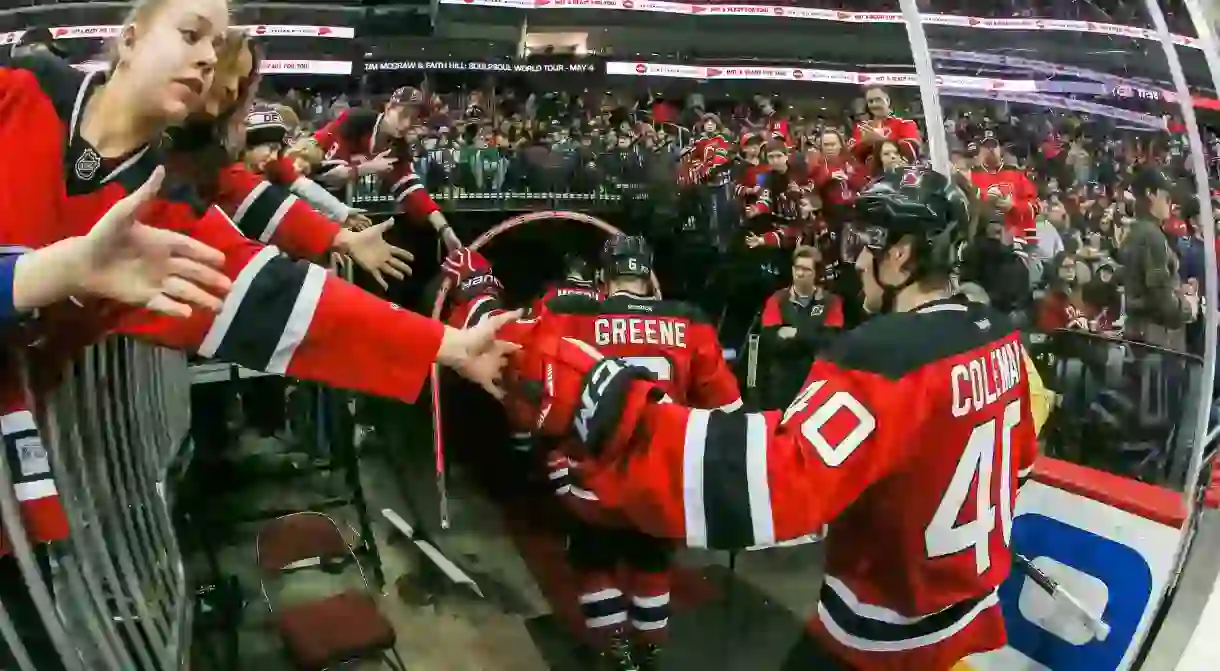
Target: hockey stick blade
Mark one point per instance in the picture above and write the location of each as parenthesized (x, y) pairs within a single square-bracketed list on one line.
[(1098, 627)]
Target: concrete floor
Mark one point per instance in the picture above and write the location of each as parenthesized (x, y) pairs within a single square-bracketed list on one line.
[(749, 623)]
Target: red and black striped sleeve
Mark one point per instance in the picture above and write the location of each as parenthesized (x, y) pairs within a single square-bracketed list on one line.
[(294, 318), (271, 214)]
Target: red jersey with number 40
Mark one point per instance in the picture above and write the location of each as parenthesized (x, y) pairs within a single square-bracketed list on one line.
[(908, 438)]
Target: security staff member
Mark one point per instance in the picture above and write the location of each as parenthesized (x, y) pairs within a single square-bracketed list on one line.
[(797, 322)]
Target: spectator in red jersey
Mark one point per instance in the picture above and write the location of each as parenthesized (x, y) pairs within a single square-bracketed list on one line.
[(1063, 306), (1006, 189), (797, 322), (806, 229), (836, 174), (783, 185), (748, 170), (773, 122), (882, 125)]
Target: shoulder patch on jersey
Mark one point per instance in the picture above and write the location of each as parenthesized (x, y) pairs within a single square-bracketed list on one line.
[(895, 344), (59, 81)]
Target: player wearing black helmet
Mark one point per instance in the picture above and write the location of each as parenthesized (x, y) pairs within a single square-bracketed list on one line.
[(624, 574), (578, 280), (909, 434)]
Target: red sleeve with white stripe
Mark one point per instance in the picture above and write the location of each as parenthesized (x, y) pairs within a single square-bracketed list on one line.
[(270, 214), (408, 191), (294, 318), (731, 480)]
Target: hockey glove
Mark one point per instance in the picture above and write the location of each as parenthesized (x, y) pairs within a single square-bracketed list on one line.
[(463, 263), (562, 387), (470, 275)]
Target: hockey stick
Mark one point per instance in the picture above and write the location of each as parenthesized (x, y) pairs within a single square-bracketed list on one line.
[(438, 440), (438, 444), (1095, 624)]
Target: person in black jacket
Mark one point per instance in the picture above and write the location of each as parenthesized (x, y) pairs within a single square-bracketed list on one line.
[(797, 322), (994, 264)]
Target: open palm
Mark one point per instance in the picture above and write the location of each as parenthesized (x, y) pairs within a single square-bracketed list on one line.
[(370, 249), (140, 265)]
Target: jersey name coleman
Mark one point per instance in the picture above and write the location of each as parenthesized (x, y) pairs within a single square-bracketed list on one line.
[(982, 381)]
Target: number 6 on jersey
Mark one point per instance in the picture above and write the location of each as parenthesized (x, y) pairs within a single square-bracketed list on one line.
[(944, 536)]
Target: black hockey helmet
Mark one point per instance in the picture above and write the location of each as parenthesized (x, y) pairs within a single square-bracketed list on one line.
[(915, 203), (627, 256), (575, 265)]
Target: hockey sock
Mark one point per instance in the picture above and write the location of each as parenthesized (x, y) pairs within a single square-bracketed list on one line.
[(649, 606), (604, 608)]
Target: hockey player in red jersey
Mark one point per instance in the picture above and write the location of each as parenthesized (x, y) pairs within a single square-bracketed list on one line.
[(1006, 188), (883, 125), (578, 280), (910, 434), (624, 574)]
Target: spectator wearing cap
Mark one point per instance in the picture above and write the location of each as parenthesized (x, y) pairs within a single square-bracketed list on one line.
[(36, 39), (1005, 189), (1157, 305), (783, 185), (774, 124), (265, 154), (362, 142), (748, 169)]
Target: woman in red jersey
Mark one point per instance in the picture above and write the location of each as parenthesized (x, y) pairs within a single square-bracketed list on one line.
[(90, 140)]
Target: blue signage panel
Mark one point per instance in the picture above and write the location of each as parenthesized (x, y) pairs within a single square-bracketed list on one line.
[(1122, 569)]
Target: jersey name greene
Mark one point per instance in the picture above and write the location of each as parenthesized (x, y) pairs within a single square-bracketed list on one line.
[(640, 331)]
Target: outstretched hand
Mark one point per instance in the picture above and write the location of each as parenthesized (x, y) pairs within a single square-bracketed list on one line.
[(369, 248), (166, 272), (477, 355)]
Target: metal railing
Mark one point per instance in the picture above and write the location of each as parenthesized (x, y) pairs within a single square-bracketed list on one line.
[(492, 179), (113, 594)]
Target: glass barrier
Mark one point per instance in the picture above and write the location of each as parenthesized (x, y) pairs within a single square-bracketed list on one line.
[(1085, 175), (1052, 114)]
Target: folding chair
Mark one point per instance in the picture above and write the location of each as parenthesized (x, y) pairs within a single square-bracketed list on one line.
[(334, 630)]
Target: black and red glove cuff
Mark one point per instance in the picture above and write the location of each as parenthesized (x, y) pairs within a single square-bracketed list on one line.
[(612, 396)]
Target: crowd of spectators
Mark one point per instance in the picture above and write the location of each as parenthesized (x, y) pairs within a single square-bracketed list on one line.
[(1066, 272)]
